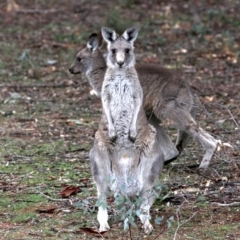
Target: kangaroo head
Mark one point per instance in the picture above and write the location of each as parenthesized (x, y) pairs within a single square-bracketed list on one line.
[(89, 56), (120, 48)]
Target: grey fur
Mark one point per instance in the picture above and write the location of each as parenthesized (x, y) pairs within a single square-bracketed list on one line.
[(126, 157), (165, 95)]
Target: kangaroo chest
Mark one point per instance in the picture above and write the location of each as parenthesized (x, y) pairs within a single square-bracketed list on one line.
[(121, 96), (120, 88)]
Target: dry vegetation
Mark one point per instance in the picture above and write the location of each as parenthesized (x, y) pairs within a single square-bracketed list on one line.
[(48, 118)]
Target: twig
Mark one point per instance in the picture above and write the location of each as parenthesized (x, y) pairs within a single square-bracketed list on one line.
[(233, 204), (180, 224), (232, 117), (222, 106), (5, 235), (122, 235), (37, 86), (52, 199), (76, 150), (211, 192), (160, 233), (39, 11), (130, 233)]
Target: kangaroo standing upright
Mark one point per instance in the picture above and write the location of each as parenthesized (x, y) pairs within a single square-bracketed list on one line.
[(165, 95), (126, 157), (91, 62)]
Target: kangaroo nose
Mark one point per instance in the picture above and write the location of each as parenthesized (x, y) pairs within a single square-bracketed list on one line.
[(120, 63), (70, 70)]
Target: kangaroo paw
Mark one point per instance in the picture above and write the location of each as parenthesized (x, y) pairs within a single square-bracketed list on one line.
[(148, 228), (112, 135), (104, 227), (132, 135)]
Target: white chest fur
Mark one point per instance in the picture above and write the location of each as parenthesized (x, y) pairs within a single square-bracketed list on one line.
[(119, 91)]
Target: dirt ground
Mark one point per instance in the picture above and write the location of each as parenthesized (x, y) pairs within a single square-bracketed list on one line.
[(48, 117)]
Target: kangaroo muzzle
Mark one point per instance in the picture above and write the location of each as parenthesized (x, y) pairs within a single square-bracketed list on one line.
[(120, 57), (71, 70)]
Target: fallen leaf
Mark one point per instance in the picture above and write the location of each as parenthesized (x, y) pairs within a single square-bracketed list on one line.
[(70, 190), (93, 92), (12, 6), (49, 210), (74, 121), (66, 210), (52, 177), (191, 189), (51, 61), (227, 145), (7, 225), (92, 232), (208, 183)]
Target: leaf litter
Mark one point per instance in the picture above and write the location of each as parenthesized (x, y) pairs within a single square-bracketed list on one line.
[(48, 118)]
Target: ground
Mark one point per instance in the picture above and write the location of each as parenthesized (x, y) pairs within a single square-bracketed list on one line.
[(48, 117)]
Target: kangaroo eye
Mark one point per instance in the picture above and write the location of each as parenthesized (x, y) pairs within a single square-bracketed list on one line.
[(127, 50), (113, 51), (79, 59)]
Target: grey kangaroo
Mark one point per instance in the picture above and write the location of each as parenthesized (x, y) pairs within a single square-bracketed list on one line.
[(165, 95), (126, 157)]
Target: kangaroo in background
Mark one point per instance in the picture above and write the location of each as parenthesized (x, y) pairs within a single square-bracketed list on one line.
[(126, 157), (166, 95), (91, 62)]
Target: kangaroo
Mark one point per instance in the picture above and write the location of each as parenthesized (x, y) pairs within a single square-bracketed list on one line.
[(166, 95), (91, 62), (126, 157)]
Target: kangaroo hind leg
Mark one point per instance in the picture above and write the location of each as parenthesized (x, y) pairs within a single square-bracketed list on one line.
[(99, 161), (187, 125), (169, 150)]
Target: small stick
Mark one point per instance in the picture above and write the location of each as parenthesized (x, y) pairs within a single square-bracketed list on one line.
[(52, 199), (160, 233), (22, 10), (233, 204), (178, 219)]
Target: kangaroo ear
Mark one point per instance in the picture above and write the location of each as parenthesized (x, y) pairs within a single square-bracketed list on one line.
[(93, 42), (131, 34), (108, 34), (100, 40)]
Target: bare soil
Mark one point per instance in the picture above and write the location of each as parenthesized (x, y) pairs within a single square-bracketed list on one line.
[(48, 117)]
